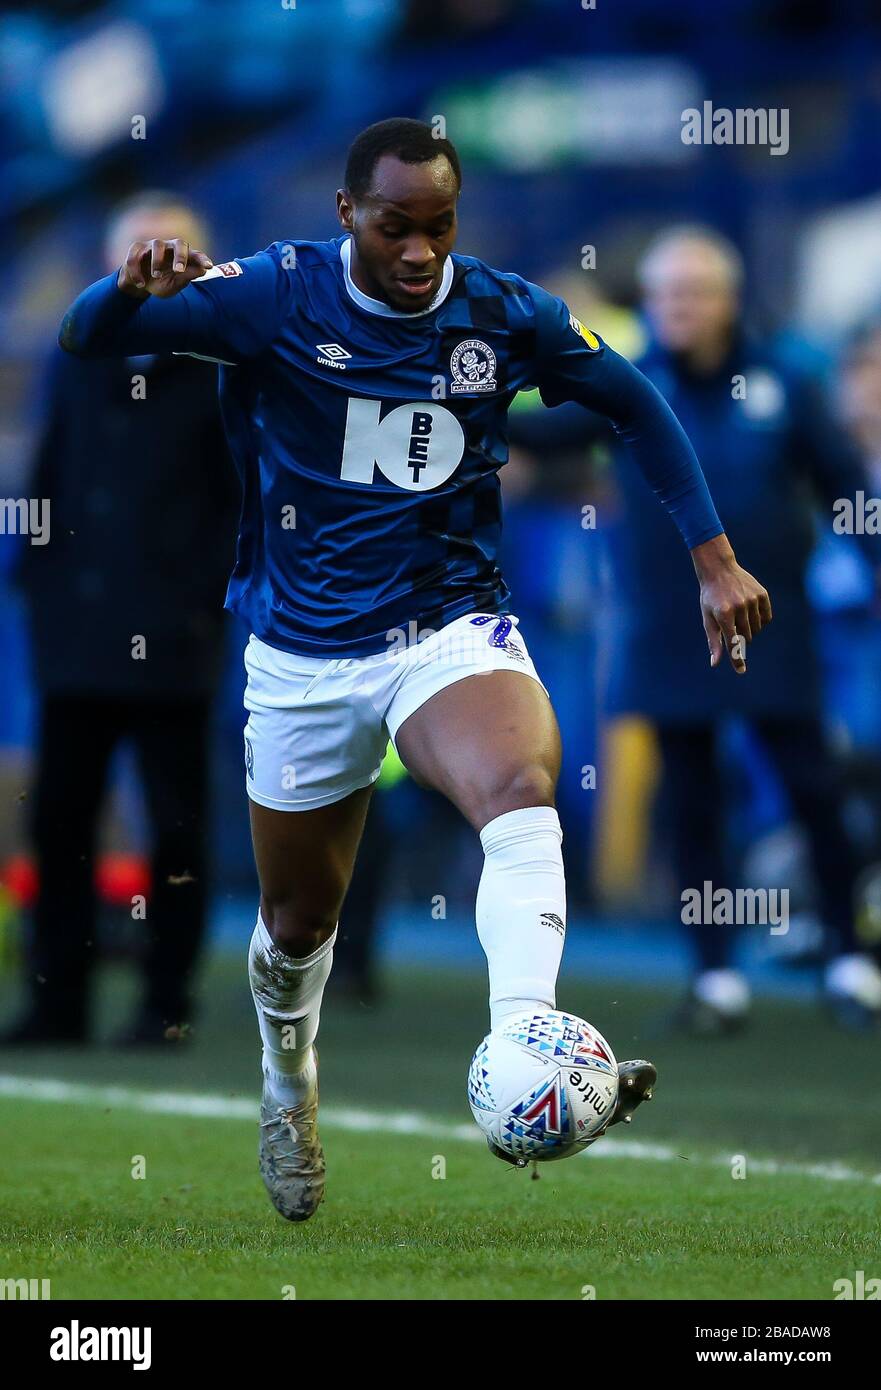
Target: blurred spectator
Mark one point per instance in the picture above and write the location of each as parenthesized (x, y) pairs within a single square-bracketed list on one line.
[(770, 448), (860, 394), (843, 586), (125, 608)]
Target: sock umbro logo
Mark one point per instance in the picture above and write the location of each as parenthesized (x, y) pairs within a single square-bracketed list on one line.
[(554, 921)]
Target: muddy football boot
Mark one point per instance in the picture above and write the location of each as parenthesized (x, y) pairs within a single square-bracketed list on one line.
[(291, 1157)]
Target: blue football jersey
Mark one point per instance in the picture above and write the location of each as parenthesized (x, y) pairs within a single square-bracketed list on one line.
[(369, 440)]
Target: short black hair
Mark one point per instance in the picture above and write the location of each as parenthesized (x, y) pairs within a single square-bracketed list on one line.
[(413, 142)]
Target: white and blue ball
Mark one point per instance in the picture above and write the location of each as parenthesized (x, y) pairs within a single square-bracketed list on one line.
[(543, 1086)]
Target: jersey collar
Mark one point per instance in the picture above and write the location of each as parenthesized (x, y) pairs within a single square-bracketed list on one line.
[(378, 306)]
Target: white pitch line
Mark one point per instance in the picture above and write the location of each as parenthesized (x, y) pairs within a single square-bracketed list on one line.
[(204, 1106)]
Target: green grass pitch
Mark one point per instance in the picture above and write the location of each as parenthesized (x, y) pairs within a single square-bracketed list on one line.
[(658, 1215)]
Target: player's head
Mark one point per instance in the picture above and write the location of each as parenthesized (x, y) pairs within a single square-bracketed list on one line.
[(691, 279), (149, 214), (399, 202)]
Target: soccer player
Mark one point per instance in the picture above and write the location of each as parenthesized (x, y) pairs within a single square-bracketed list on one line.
[(365, 385)]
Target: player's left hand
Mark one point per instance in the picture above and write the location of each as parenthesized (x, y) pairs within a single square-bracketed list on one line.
[(734, 606)]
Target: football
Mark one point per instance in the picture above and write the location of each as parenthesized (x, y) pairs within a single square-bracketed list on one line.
[(543, 1086)]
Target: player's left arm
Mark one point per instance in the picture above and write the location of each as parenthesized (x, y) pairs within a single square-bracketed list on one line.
[(574, 365), (227, 313)]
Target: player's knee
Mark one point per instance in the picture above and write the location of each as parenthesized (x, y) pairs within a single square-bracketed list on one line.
[(530, 784), (295, 929)]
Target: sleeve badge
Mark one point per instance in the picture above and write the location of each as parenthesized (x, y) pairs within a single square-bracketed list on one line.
[(591, 340), (227, 271)]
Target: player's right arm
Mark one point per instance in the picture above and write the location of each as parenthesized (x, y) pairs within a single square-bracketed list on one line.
[(169, 297), (573, 364)]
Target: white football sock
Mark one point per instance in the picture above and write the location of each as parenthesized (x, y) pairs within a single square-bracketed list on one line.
[(287, 996), (521, 910)]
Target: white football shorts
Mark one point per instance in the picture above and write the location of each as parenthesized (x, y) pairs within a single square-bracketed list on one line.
[(317, 730)]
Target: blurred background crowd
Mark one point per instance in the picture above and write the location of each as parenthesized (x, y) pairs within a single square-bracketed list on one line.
[(702, 262)]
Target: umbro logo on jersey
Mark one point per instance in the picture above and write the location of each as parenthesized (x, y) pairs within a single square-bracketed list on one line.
[(332, 355), (553, 920)]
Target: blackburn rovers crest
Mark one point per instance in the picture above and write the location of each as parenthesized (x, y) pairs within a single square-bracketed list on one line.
[(473, 367)]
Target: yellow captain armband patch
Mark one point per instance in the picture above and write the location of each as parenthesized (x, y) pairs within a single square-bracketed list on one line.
[(590, 339)]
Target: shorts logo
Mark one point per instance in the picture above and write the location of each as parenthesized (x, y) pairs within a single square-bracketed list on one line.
[(473, 366), (499, 636), (249, 758)]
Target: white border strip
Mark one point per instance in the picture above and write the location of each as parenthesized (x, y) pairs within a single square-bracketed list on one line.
[(204, 1106)]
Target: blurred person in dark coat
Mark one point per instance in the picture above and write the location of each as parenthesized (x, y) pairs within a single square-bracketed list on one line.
[(844, 591), (771, 450), (125, 606), (860, 394)]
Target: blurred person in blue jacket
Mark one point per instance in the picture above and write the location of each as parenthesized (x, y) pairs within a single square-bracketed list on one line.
[(772, 451), (860, 392), (125, 609), (841, 582)]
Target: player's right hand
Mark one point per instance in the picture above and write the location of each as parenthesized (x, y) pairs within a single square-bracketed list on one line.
[(161, 268)]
